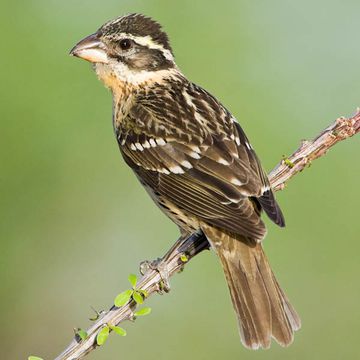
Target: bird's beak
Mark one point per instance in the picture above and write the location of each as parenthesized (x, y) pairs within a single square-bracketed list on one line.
[(91, 49)]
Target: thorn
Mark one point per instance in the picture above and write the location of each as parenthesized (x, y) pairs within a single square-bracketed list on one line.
[(98, 314), (132, 316), (304, 143)]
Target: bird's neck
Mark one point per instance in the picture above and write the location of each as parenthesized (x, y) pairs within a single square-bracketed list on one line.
[(125, 85), (120, 78)]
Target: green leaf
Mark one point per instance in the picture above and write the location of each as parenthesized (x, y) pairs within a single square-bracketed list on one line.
[(289, 163), (102, 335), (132, 280), (123, 298), (120, 331), (144, 293), (34, 358), (138, 297), (82, 334), (142, 312)]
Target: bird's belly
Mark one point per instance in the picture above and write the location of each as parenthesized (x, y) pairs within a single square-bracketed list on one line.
[(187, 223)]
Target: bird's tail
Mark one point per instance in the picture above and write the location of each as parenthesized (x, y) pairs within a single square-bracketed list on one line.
[(263, 310)]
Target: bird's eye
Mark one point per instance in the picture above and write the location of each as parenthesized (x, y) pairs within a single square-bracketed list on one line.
[(125, 44)]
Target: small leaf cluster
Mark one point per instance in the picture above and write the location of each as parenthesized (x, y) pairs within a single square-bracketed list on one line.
[(138, 295), (105, 331)]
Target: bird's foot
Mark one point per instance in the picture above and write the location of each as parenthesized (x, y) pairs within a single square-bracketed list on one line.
[(161, 267)]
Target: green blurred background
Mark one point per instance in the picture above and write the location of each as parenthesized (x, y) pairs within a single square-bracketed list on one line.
[(74, 222)]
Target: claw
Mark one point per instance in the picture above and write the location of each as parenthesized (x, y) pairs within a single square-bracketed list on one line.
[(144, 267), (161, 267)]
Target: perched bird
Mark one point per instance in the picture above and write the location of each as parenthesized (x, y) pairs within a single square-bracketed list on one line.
[(196, 163)]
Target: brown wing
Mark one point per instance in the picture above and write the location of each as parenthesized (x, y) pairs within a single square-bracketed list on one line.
[(188, 148)]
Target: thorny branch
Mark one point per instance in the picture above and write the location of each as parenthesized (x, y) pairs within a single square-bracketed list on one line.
[(308, 151), (173, 260)]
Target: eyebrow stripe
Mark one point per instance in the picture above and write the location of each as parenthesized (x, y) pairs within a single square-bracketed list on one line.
[(150, 43)]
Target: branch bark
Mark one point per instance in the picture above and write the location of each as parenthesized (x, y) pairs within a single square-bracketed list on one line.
[(173, 260)]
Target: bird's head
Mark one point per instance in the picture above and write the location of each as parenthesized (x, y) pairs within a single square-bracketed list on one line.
[(132, 49)]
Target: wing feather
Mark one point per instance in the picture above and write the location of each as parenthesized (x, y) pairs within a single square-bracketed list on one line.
[(189, 149)]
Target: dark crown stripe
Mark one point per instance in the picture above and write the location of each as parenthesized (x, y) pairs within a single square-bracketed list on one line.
[(137, 25)]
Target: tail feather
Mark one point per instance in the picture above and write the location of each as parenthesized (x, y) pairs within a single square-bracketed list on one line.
[(262, 308)]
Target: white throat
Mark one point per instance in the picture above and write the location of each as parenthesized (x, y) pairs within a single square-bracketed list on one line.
[(119, 74)]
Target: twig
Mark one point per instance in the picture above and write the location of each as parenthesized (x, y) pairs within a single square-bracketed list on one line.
[(150, 282), (174, 259), (341, 129)]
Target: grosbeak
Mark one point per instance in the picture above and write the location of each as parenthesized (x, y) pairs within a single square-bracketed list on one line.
[(196, 163)]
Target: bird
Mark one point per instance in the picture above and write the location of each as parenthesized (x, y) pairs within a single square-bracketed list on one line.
[(196, 163)]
